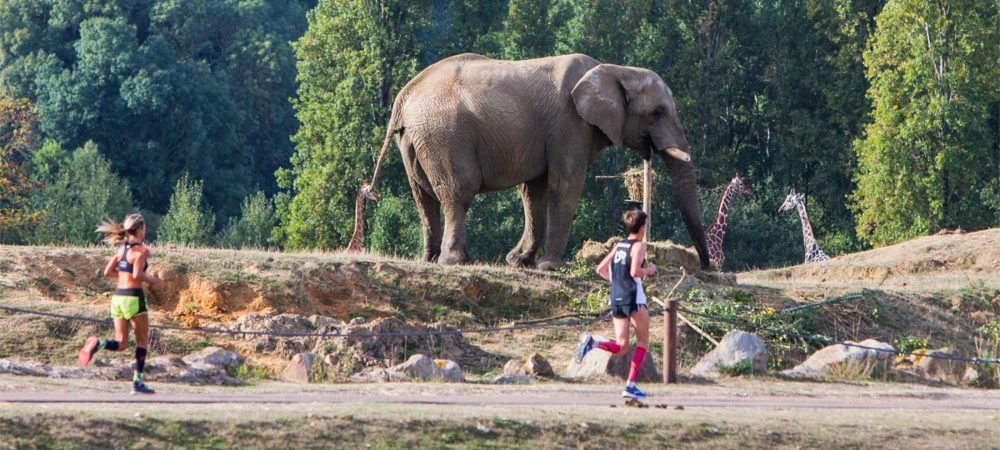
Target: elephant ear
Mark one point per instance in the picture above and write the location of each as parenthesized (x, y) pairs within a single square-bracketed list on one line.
[(600, 99)]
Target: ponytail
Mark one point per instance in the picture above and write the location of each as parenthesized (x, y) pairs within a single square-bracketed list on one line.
[(117, 234)]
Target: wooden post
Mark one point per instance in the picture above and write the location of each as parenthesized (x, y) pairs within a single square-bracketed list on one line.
[(670, 342), (647, 193)]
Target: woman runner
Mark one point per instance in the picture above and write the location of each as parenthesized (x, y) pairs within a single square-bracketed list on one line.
[(128, 305), (623, 268)]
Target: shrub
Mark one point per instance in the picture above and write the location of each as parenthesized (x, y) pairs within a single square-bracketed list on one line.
[(186, 223), (83, 191), (253, 228)]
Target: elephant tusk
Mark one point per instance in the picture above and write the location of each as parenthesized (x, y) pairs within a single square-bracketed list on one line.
[(679, 154)]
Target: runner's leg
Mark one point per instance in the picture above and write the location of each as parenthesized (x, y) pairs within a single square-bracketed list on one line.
[(141, 324), (640, 321)]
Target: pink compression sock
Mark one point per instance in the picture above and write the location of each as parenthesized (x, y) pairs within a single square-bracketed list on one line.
[(637, 359), (609, 346)]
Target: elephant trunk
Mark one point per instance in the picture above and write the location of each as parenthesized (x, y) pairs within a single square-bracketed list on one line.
[(686, 193)]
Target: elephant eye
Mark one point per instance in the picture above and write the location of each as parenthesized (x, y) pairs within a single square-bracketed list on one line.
[(657, 114)]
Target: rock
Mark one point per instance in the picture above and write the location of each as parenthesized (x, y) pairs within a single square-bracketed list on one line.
[(735, 347), (358, 321), (599, 363), (514, 368), (823, 360), (538, 365), (418, 367), (322, 324), (217, 357), (449, 371), (512, 379), (298, 369), (927, 364), (971, 376), (24, 368)]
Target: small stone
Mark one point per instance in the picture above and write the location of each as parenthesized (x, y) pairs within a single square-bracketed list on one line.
[(298, 369), (357, 321), (679, 408)]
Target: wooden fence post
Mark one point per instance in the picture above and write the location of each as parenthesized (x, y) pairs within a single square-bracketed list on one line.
[(670, 342)]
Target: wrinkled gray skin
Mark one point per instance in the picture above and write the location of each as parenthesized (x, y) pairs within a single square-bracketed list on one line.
[(470, 124)]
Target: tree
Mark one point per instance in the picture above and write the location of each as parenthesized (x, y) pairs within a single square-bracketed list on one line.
[(186, 223), (927, 153), (85, 191), (164, 87), (354, 58), (18, 137), (254, 226)]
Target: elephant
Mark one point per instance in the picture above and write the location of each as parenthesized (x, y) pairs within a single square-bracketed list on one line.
[(469, 124)]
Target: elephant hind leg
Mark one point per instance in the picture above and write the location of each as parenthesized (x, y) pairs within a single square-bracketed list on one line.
[(453, 246), (430, 217), (533, 196)]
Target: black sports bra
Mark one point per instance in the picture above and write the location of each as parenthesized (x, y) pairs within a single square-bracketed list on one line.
[(123, 264)]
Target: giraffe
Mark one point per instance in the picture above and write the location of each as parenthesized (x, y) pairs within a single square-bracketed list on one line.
[(715, 232), (813, 252), (356, 245)]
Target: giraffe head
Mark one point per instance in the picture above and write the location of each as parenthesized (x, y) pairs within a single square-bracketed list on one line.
[(739, 186), (792, 201), (367, 192)]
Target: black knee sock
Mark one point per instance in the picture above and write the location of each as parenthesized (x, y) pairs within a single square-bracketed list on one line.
[(110, 344), (140, 362)]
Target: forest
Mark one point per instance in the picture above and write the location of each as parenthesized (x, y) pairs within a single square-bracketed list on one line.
[(252, 123)]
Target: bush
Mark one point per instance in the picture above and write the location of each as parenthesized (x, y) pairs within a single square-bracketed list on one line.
[(83, 191), (186, 223), (397, 229), (254, 227)]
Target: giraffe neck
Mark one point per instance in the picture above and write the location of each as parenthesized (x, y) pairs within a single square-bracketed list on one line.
[(808, 241), (722, 215), (359, 225)]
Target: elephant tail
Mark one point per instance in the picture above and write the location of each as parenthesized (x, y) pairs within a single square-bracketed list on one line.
[(391, 130)]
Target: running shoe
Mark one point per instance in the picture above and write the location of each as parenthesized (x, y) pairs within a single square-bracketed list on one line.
[(632, 392), (138, 387), (88, 350), (586, 345)]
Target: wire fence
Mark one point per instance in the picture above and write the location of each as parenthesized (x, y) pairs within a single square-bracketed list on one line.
[(502, 329)]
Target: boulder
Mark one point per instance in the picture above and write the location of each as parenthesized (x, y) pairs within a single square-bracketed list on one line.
[(823, 360), (422, 367), (971, 376), (735, 347), (927, 364), (418, 367), (449, 371), (298, 369), (216, 357), (599, 363), (535, 364)]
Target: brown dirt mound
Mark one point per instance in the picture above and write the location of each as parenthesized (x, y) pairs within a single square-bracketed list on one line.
[(934, 263)]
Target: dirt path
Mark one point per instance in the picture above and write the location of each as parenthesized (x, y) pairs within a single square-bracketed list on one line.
[(762, 393)]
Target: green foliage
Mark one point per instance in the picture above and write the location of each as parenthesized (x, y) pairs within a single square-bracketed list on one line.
[(990, 331), (84, 191), (162, 86), (397, 229), (18, 138), (907, 342), (254, 226), (353, 59), (186, 222), (929, 149)]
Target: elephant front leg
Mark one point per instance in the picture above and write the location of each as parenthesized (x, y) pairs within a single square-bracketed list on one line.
[(533, 196), (453, 246), (563, 199)]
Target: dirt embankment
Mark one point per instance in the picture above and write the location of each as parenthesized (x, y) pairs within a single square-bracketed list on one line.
[(931, 263), (206, 286)]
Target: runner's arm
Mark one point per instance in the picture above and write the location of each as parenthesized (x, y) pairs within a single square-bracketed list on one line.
[(109, 270), (139, 271), (638, 255), (604, 266)]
